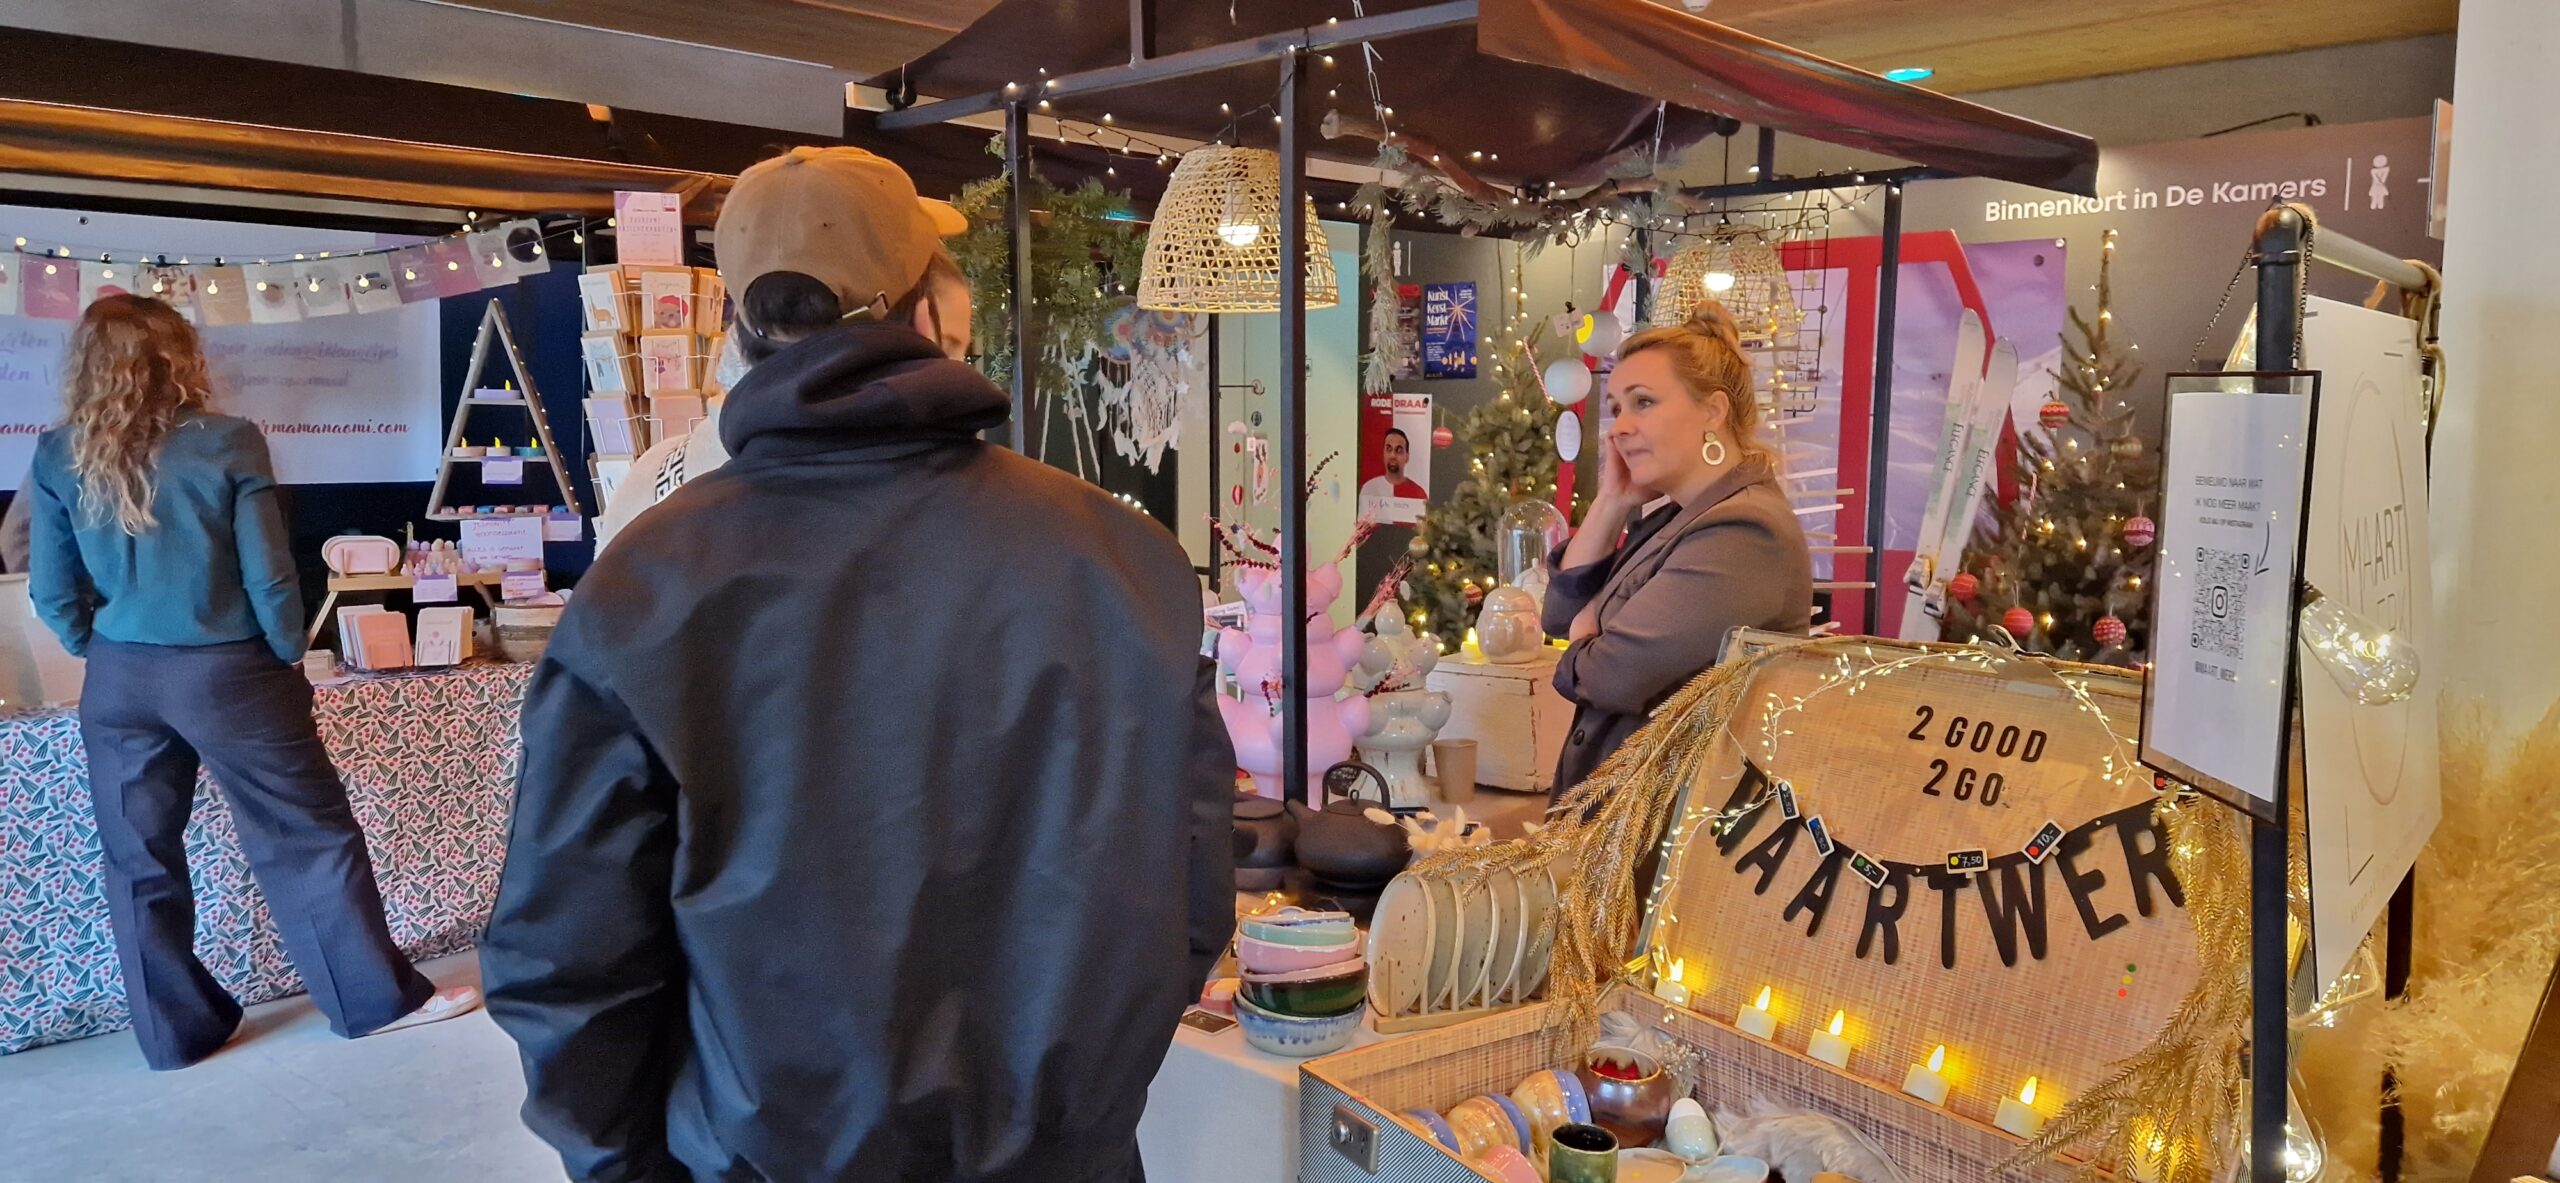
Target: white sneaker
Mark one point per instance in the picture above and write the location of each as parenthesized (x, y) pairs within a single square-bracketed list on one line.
[(448, 1003)]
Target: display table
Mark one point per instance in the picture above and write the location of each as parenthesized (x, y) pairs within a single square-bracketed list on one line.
[(429, 761)]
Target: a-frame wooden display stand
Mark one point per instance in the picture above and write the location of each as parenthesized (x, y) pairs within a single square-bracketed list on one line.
[(524, 395)]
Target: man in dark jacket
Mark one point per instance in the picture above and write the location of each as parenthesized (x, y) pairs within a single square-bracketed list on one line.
[(873, 817)]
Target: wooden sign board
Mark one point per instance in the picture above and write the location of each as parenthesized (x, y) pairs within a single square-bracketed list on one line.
[(2048, 951)]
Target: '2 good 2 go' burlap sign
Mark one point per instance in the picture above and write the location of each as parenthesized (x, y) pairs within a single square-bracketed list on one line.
[(1951, 847)]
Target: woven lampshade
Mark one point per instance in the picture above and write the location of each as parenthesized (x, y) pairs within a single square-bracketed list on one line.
[(1761, 300), (1215, 242)]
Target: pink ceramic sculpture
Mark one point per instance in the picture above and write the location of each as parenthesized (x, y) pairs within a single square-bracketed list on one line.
[(1252, 654)]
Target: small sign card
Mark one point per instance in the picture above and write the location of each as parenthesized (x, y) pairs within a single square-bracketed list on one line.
[(501, 541), (435, 589), (648, 228), (523, 585), (563, 527), (509, 471)]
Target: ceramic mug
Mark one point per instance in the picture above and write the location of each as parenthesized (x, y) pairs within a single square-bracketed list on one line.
[(1581, 1153)]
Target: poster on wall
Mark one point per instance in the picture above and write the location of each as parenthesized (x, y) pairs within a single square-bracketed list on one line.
[(1408, 332), (1448, 330), (2215, 713), (1395, 465), (2369, 770), (341, 398)]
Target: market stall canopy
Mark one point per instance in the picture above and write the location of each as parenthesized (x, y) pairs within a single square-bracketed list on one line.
[(52, 139), (1551, 91)]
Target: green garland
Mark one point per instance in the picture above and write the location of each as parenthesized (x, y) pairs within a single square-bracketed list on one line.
[(1086, 249)]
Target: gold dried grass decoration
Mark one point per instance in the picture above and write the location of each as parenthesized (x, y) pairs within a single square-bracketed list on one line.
[(1602, 831), (2180, 1103), (1190, 267)]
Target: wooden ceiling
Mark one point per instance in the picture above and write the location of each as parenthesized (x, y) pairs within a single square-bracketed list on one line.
[(1973, 45), (1977, 45), (863, 36)]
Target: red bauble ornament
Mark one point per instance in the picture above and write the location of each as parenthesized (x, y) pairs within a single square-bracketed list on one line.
[(2109, 632), (2055, 416), (1964, 587), (2128, 448), (1474, 594), (1442, 437), (2020, 623), (2139, 531)]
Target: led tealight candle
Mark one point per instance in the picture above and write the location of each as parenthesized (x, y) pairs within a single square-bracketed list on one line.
[(1827, 1046), (2019, 1116), (1755, 1019), (1471, 649), (1671, 989), (1925, 1081), (2148, 1157)]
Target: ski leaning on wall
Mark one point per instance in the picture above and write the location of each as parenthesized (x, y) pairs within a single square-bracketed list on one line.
[(1982, 379)]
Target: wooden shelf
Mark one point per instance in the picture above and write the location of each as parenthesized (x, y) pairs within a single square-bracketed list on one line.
[(451, 516), (532, 462), (403, 582), (494, 402)]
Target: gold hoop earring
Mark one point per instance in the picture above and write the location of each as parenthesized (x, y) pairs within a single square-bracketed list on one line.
[(1712, 451)]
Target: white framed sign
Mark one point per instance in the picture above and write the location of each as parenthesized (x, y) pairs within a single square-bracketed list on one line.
[(2216, 708)]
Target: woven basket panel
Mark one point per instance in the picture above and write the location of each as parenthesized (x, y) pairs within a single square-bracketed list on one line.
[(1190, 267), (1762, 299), (1438, 1069), (2062, 1018)]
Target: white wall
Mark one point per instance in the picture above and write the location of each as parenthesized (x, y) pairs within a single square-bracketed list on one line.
[(2494, 480)]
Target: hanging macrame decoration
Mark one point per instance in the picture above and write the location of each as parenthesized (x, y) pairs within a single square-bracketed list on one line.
[(1151, 369)]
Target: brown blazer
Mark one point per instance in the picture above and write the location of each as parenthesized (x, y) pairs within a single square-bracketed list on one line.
[(1734, 559)]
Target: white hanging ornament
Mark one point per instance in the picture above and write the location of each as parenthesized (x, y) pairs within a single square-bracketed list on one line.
[(1597, 334), (1568, 436), (1568, 381)]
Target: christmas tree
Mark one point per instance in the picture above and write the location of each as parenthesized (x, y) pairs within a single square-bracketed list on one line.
[(1511, 457), (2065, 566)]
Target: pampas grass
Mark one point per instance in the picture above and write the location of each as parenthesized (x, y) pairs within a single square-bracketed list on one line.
[(2487, 931)]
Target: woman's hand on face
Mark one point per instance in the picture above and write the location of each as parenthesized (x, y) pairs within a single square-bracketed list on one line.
[(1586, 623), (1618, 488)]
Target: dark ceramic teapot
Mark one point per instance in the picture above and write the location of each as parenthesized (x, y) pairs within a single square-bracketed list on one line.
[(1265, 841), (1341, 846)]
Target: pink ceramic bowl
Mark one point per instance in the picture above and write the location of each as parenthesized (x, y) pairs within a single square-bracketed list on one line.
[(1265, 957)]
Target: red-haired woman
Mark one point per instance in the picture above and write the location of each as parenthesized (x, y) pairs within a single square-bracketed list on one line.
[(160, 555)]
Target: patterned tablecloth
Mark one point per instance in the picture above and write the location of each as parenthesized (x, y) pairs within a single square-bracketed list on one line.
[(430, 764)]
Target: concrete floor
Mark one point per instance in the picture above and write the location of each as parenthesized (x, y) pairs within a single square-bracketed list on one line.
[(287, 1103)]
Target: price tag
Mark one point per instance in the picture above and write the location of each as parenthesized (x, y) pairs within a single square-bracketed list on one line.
[(435, 589), (563, 528), (523, 585), (502, 472)]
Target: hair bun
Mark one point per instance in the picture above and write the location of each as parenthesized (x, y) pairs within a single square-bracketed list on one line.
[(1711, 317)]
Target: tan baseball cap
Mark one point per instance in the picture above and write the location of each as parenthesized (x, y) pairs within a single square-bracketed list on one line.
[(842, 216)]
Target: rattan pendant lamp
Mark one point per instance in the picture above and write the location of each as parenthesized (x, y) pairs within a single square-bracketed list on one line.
[(1215, 243), (1743, 274)]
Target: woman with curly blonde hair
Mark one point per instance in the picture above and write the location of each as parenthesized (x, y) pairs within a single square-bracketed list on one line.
[(160, 555)]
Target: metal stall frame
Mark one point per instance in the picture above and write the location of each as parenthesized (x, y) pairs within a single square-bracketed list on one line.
[(2287, 241)]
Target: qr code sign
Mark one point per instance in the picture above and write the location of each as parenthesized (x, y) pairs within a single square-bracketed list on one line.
[(2222, 601)]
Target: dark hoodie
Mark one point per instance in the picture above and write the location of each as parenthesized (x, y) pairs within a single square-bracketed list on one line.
[(873, 816)]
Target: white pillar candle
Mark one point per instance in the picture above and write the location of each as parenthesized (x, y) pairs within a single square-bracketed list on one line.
[(1755, 1019), (1828, 1046), (1925, 1080), (1671, 989), (2018, 1114)]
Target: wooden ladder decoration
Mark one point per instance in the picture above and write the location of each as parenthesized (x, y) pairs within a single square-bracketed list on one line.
[(494, 325)]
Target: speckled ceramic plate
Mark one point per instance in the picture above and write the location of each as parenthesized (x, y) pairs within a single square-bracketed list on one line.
[(1400, 947)]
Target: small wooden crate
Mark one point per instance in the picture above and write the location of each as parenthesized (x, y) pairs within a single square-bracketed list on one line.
[(1512, 712)]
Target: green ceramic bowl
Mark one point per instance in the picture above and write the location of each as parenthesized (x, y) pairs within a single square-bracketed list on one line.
[(1315, 998), (1294, 926)]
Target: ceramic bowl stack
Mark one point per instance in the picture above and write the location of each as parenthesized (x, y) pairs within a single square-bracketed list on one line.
[(1304, 986)]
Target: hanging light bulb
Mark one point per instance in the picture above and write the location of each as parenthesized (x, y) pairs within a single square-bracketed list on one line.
[(1238, 228), (1719, 281)]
